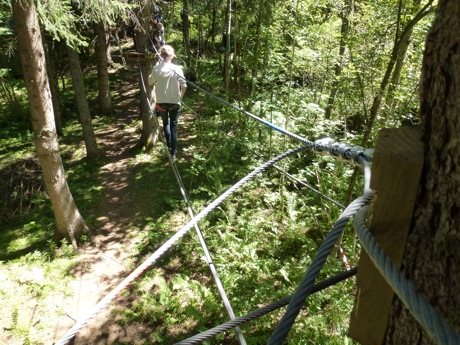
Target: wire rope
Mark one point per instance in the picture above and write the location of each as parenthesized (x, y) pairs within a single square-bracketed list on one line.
[(282, 329), (424, 313), (281, 170), (338, 150), (265, 310)]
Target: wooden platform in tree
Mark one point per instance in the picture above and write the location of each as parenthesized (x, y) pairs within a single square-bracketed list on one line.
[(131, 55)]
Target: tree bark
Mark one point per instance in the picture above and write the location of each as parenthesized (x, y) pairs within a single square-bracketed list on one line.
[(227, 55), (186, 32), (69, 222), (214, 30), (102, 63), (432, 258), (150, 130), (53, 82), (344, 29), (149, 133), (236, 52), (255, 59), (386, 78), (92, 150)]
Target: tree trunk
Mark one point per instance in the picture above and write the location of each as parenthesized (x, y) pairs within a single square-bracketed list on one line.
[(214, 29), (432, 258), (401, 55), (236, 52), (92, 150), (256, 55), (150, 130), (228, 27), (54, 88), (149, 134), (186, 32), (344, 14), (69, 222), (386, 78), (399, 44), (102, 63)]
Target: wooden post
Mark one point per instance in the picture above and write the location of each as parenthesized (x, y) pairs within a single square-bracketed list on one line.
[(396, 169)]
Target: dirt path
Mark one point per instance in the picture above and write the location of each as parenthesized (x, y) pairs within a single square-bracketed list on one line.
[(105, 261)]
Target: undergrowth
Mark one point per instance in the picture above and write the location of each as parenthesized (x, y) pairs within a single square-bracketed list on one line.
[(261, 240)]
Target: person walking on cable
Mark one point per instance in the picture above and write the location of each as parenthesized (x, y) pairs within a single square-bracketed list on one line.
[(169, 88)]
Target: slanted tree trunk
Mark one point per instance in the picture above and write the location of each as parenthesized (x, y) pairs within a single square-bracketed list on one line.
[(373, 112), (50, 67), (92, 150), (102, 63), (344, 29), (150, 131), (69, 222), (399, 44), (432, 255), (186, 32), (401, 55)]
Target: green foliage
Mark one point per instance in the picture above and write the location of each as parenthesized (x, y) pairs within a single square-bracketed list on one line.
[(7, 45), (59, 20), (62, 19)]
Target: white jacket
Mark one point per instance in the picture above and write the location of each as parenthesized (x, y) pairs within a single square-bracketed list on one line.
[(168, 79)]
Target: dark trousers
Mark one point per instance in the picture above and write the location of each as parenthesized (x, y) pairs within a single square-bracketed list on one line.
[(170, 115)]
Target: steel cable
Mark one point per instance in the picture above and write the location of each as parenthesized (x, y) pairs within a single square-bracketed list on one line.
[(264, 310), (424, 313), (282, 329)]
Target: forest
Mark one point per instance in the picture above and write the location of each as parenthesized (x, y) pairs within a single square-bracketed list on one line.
[(89, 194)]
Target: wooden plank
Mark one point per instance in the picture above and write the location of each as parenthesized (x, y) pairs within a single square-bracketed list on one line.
[(136, 56), (396, 169)]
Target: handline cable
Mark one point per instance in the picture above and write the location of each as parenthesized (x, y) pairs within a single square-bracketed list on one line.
[(265, 309), (430, 320), (337, 148), (282, 329), (347, 152)]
